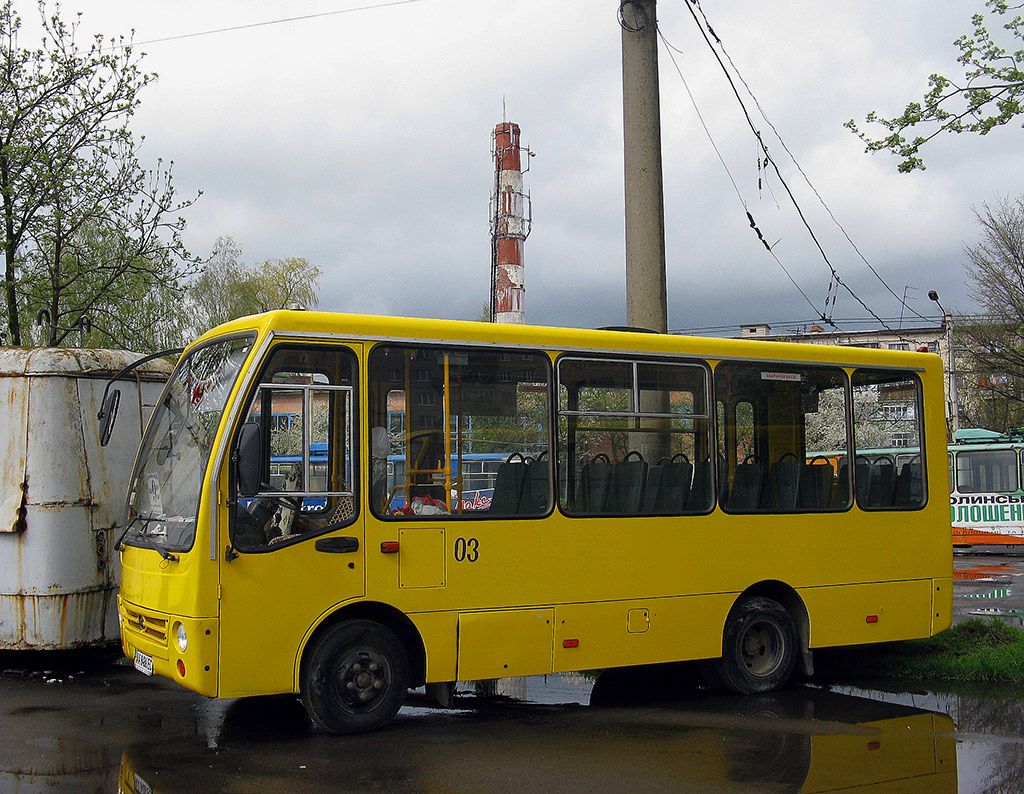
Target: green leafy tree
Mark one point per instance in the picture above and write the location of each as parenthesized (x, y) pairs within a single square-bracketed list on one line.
[(85, 228), (154, 316), (988, 93), (228, 288)]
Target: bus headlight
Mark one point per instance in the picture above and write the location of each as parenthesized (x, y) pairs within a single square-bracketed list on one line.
[(182, 638)]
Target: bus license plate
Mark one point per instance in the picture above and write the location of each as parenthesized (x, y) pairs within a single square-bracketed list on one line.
[(144, 663)]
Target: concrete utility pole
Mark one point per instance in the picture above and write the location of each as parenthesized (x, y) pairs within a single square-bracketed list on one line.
[(952, 398), (646, 299)]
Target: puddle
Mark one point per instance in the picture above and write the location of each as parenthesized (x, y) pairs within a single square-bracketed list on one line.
[(649, 729), (573, 734), (983, 573), (989, 723)]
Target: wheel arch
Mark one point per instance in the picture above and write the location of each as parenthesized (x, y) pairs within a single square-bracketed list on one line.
[(395, 621), (791, 601)]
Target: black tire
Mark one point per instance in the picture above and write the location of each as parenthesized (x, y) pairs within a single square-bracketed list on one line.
[(759, 647), (355, 677)]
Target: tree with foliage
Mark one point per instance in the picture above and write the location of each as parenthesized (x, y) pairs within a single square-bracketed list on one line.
[(991, 364), (85, 228), (228, 288), (159, 316), (987, 95)]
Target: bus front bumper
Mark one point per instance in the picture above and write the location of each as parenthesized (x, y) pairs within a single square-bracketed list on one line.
[(179, 648)]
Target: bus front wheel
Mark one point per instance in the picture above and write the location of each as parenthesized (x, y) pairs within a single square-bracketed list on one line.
[(759, 647), (355, 677)]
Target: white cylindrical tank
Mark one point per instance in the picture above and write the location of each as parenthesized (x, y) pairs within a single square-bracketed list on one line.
[(62, 494)]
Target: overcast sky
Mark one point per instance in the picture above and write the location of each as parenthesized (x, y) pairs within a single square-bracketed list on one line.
[(361, 142)]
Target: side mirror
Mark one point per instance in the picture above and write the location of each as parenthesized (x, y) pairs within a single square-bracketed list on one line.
[(249, 463), (111, 399), (108, 413)]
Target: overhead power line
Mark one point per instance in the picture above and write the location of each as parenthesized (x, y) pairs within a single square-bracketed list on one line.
[(778, 135), (721, 159), (851, 325), (281, 21), (835, 278)]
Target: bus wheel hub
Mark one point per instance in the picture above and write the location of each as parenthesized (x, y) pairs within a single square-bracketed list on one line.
[(362, 678)]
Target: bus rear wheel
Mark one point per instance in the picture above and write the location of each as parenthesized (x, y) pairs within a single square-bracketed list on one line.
[(355, 677), (759, 647)]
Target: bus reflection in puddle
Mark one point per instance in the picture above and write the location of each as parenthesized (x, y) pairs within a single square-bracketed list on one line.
[(799, 740)]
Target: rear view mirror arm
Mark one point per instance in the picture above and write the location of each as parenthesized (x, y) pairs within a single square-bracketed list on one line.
[(108, 410)]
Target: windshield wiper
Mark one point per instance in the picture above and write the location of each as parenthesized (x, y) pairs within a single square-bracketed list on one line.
[(147, 541)]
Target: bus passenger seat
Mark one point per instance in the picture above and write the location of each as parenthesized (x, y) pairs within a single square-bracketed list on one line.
[(700, 497), (816, 485), (674, 486), (653, 487), (881, 483), (909, 484), (747, 485), (629, 477), (784, 481), (536, 495), (509, 483), (594, 485), (841, 494)]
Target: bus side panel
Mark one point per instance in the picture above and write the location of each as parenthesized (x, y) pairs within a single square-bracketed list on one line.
[(440, 634), (865, 613), (505, 644), (942, 605), (619, 633)]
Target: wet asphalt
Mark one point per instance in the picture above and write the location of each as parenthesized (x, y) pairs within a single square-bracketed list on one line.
[(86, 722), (988, 586)]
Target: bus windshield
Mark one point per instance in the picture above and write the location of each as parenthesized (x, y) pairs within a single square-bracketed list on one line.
[(165, 486)]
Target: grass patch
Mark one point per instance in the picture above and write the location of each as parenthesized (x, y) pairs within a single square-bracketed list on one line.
[(975, 650)]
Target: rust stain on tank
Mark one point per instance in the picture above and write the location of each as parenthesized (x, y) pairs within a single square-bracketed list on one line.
[(55, 622), (21, 522)]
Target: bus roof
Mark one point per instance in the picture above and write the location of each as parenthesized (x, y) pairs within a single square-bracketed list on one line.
[(372, 328)]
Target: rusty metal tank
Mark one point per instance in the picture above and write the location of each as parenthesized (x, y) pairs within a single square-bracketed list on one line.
[(62, 493)]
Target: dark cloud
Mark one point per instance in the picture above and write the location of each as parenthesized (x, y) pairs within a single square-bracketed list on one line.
[(360, 142)]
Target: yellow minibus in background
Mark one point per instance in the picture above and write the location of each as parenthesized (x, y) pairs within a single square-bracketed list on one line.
[(656, 498)]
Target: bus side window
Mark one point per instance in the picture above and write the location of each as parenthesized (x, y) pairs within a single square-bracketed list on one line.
[(887, 414), (782, 431), (633, 437), (987, 471), (467, 431)]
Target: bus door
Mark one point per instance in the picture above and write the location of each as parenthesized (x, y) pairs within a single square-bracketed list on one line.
[(460, 535), (295, 538)]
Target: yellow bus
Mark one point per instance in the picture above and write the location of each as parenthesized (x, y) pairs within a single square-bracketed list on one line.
[(657, 499)]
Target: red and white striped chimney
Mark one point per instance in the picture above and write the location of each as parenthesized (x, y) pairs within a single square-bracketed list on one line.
[(511, 219)]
